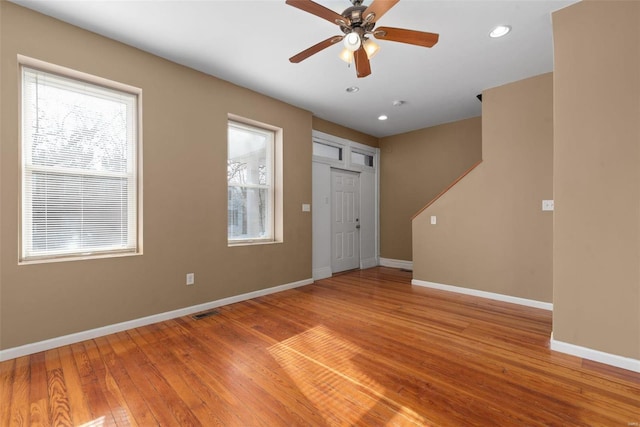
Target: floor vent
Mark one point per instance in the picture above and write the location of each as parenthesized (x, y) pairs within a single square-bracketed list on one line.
[(204, 314), (406, 270)]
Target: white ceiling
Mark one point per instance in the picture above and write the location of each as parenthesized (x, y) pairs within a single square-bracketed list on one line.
[(249, 43)]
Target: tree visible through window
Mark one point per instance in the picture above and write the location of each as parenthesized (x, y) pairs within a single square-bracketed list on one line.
[(250, 183), (79, 174)]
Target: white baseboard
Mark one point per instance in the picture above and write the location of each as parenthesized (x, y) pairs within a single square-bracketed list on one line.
[(368, 263), (484, 294), (321, 273), (595, 355), (12, 353), (396, 263)]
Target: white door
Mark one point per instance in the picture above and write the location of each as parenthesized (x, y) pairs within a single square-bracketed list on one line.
[(345, 223)]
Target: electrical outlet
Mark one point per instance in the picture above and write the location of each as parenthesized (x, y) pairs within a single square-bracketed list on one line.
[(547, 205), (191, 278)]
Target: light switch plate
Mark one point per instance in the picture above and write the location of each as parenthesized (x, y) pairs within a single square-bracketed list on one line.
[(306, 207), (547, 205), (433, 219)]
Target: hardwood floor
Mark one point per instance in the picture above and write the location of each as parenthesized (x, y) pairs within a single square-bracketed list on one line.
[(362, 348)]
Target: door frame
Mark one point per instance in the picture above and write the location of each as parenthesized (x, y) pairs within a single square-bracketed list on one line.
[(370, 251)]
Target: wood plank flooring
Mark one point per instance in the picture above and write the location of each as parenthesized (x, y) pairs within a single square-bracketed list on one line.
[(362, 348)]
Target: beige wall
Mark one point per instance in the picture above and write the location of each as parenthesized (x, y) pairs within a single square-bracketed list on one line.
[(343, 132), (414, 168), (597, 177), (185, 115), (491, 234), (1, 178)]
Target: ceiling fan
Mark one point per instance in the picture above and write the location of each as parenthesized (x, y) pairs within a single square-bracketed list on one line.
[(358, 23)]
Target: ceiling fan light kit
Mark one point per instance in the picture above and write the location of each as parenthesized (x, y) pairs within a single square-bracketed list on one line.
[(346, 55), (357, 23), (352, 42), (371, 48)]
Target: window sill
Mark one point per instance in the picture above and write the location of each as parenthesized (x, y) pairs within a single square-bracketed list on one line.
[(253, 243), (77, 258)]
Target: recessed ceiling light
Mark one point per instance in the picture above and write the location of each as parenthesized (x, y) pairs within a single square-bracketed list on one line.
[(352, 89), (382, 117), (500, 31)]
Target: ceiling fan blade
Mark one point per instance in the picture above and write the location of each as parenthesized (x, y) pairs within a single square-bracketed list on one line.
[(363, 66), (378, 8), (315, 49), (402, 35), (319, 10)]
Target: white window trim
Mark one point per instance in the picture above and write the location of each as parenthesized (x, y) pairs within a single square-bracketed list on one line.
[(276, 216), (25, 61)]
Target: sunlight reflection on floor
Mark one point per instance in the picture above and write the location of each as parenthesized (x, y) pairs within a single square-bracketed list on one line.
[(323, 368), (98, 422)]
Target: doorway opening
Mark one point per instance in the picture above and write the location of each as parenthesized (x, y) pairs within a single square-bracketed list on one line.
[(344, 206)]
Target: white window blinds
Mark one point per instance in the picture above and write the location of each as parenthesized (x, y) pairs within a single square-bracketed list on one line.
[(79, 168)]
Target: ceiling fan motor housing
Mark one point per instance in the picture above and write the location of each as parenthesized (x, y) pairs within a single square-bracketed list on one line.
[(356, 22)]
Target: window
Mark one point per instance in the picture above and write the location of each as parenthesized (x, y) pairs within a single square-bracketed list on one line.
[(250, 179), (361, 159), (327, 151), (79, 167)]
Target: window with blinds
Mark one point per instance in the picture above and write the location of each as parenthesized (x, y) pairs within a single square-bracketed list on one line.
[(79, 168)]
